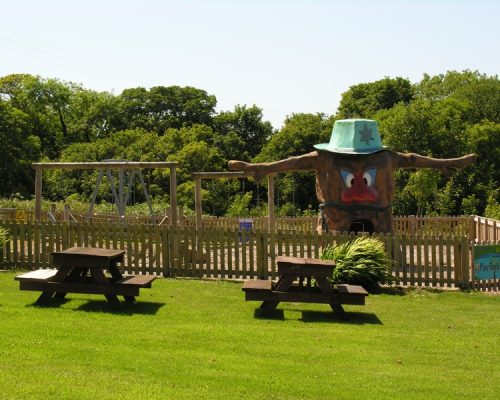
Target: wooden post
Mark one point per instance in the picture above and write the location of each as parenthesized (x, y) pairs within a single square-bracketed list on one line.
[(270, 202), (197, 201), (182, 218), (66, 213), (38, 193), (173, 195)]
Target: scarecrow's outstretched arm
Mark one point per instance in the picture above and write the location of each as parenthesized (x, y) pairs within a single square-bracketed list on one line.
[(446, 165), (305, 162)]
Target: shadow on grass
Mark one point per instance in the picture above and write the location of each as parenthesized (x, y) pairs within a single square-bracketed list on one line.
[(354, 318), (276, 314), (53, 303), (145, 308), (392, 290)]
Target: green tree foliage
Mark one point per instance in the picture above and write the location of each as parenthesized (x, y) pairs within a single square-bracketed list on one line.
[(365, 99), (164, 107), (240, 134), (451, 115), (298, 135), (480, 93), (442, 116), (17, 151)]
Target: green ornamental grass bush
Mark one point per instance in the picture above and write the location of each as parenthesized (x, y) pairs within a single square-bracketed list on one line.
[(361, 261), (3, 237)]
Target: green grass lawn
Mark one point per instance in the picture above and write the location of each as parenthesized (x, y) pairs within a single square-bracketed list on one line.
[(194, 339)]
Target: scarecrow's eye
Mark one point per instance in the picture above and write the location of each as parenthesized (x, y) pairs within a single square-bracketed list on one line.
[(348, 177), (369, 177)]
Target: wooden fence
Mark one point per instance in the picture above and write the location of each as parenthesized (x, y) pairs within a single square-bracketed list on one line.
[(419, 260), (476, 228)]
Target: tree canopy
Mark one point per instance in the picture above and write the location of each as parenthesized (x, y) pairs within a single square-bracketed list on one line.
[(442, 116)]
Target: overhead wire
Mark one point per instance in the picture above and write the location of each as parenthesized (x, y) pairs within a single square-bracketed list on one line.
[(23, 44)]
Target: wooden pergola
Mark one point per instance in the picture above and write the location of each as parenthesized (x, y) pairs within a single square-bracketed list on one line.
[(119, 165), (198, 176)]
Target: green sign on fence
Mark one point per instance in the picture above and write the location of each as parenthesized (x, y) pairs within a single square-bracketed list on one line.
[(487, 262)]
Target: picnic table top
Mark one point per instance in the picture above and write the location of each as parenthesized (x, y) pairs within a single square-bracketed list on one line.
[(87, 257), (91, 251)]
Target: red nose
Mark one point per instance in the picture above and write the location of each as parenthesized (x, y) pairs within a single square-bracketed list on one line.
[(359, 192)]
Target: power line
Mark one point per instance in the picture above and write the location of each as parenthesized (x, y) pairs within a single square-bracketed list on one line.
[(63, 58)]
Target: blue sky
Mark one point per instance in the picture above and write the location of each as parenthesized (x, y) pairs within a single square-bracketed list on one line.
[(284, 56)]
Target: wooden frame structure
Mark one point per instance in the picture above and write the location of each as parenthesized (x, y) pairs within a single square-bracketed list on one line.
[(120, 165), (198, 176)]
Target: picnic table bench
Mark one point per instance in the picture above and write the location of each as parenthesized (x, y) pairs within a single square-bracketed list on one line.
[(295, 284), (81, 270)]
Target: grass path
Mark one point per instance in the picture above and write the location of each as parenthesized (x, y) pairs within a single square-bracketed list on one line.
[(193, 339)]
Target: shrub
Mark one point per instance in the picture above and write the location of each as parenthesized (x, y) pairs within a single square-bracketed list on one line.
[(362, 261), (3, 237)]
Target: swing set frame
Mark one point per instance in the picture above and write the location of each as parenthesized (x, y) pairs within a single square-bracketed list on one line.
[(109, 165), (198, 176)]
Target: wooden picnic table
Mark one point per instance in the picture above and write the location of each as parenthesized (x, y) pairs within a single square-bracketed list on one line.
[(81, 270), (295, 284)]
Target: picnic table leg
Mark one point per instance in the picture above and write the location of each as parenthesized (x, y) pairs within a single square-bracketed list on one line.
[(99, 278), (339, 310), (268, 307), (282, 285), (47, 295), (72, 276), (116, 275)]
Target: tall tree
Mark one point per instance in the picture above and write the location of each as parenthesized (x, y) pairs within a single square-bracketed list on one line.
[(365, 99), (164, 107), (241, 133), (18, 150)]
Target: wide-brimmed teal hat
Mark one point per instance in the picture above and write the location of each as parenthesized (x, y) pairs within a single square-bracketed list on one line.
[(353, 136)]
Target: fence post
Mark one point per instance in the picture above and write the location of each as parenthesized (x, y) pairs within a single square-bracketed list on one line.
[(262, 270), (472, 228), (466, 263)]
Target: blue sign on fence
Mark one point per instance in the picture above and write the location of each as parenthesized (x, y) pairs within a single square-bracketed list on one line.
[(245, 223), (487, 262)]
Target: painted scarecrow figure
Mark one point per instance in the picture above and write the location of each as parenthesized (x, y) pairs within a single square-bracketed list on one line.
[(354, 175)]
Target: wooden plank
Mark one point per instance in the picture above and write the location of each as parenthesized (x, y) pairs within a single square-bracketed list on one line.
[(449, 247), (36, 239), (351, 289), (229, 253), (397, 259), (237, 265), (14, 239), (22, 245), (138, 280), (257, 285), (441, 261), (304, 261), (88, 288), (244, 248), (29, 235), (157, 266), (465, 262), (434, 242), (39, 274), (411, 266), (419, 260), (305, 297), (215, 252), (404, 260), (426, 260)]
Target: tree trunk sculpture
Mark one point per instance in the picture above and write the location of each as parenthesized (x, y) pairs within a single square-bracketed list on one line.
[(355, 190)]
